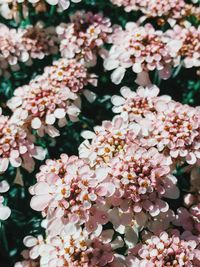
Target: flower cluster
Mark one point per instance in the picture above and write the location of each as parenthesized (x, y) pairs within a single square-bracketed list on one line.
[(23, 45), (17, 146), (52, 96), (171, 127), (68, 188), (170, 9), (75, 248), (190, 48), (143, 48), (10, 8), (166, 250), (84, 36), (116, 192)]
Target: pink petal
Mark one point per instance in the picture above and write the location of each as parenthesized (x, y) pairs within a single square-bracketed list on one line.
[(39, 203)]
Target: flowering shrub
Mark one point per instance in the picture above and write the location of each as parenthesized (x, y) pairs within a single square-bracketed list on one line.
[(99, 133)]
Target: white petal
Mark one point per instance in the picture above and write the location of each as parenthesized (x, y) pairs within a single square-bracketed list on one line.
[(39, 203), (3, 164), (88, 134), (4, 213), (41, 188), (117, 100), (30, 241), (16, 162), (36, 123), (59, 113), (118, 75), (111, 64), (101, 174), (4, 186), (131, 237), (191, 159), (50, 119), (90, 96), (40, 153), (143, 79), (137, 68)]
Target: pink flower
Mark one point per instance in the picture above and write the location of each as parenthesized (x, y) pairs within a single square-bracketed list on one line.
[(170, 9), (165, 250), (109, 140), (66, 190), (168, 125), (175, 131), (75, 248), (38, 41), (52, 96), (141, 47), (136, 106), (22, 45), (17, 146), (190, 38), (143, 177), (11, 48), (84, 36)]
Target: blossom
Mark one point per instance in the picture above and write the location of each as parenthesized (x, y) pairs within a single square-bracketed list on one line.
[(165, 250), (143, 177), (22, 45), (69, 73), (4, 210), (141, 104), (27, 262), (38, 41), (108, 141), (169, 9), (51, 96), (84, 36), (75, 248), (17, 146), (176, 132), (190, 38), (142, 48), (11, 48), (67, 190), (166, 124)]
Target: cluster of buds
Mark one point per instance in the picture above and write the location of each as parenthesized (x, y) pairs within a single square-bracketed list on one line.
[(145, 49), (190, 48), (52, 96), (17, 146), (84, 36), (23, 45), (166, 249)]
